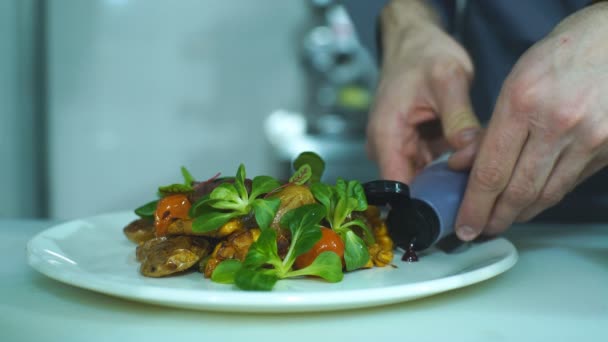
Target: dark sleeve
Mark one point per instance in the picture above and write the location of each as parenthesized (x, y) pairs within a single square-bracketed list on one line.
[(447, 13), (365, 15)]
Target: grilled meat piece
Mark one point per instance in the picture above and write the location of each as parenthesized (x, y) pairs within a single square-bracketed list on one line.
[(235, 246), (184, 227), (140, 230), (164, 256)]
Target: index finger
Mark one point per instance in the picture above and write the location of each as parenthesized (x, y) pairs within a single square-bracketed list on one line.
[(391, 142), (491, 172)]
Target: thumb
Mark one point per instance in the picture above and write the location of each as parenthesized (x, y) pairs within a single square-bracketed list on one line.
[(451, 91)]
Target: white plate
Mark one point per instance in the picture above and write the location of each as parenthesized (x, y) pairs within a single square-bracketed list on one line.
[(94, 254)]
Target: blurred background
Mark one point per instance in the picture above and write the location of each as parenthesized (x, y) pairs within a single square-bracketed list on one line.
[(101, 101)]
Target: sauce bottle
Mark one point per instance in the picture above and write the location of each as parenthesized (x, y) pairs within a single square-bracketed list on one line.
[(425, 212)]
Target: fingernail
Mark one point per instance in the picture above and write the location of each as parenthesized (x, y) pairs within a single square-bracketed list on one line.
[(466, 233), (468, 136)]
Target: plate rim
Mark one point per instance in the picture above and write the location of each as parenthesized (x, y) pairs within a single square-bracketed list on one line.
[(248, 301)]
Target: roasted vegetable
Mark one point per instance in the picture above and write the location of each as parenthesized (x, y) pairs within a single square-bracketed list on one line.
[(163, 256), (140, 230), (291, 197), (169, 209), (330, 241), (381, 252), (235, 247), (342, 202), (263, 267), (184, 227)]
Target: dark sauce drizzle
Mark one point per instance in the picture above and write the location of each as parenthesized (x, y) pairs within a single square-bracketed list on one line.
[(410, 254)]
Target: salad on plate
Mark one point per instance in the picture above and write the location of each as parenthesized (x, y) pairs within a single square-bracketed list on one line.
[(255, 232)]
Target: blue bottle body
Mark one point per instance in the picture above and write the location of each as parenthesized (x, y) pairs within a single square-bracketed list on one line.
[(442, 190)]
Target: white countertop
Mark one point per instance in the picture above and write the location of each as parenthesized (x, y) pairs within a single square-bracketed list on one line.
[(557, 291)]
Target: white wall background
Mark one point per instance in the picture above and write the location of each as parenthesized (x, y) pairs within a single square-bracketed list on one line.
[(20, 150), (138, 88), (8, 105)]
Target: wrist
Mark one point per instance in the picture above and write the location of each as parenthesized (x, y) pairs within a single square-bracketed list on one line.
[(400, 14), (594, 18), (402, 21), (599, 4)]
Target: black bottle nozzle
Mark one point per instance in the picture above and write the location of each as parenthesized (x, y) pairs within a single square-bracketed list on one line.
[(424, 212), (409, 220)]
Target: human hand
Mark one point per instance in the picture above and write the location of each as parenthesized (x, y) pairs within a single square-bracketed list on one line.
[(549, 129), (422, 104)]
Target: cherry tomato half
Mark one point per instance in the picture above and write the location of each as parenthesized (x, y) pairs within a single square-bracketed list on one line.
[(168, 209), (330, 242)]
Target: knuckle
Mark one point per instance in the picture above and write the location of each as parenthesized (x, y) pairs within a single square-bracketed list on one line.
[(520, 193), (370, 151), (564, 119), (523, 219), (370, 131), (496, 226), (373, 142), (549, 198), (595, 139), (524, 95), (502, 218), (444, 70), (375, 129), (489, 178)]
